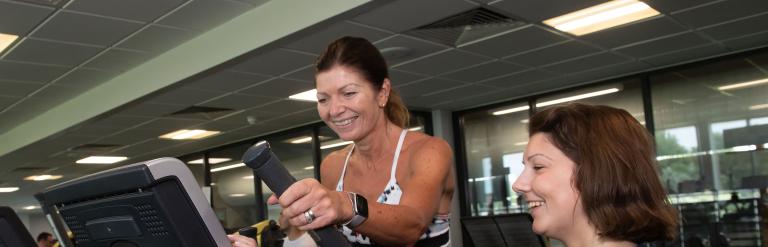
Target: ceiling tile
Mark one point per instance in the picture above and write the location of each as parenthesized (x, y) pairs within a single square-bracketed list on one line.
[(16, 89), (170, 124), (87, 29), (278, 88), (539, 10), (140, 10), (237, 101), (306, 74), (57, 93), (286, 106), (586, 63), (664, 45), (635, 32), (143, 108), (398, 77), (222, 81), (133, 136), (748, 42), (685, 55), (20, 18), (521, 40), (300, 118), (739, 28), (181, 96), (118, 60), (666, 6), (156, 39), (401, 48), (613, 71), (13, 71), (714, 13), (215, 12), (38, 51), (520, 78), (399, 16), (441, 63), (420, 88), (484, 71), (6, 100), (553, 54), (149, 147), (275, 62), (118, 121), (316, 41), (86, 78), (12, 118), (460, 92)]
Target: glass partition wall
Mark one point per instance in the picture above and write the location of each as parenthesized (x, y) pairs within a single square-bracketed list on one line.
[(710, 122)]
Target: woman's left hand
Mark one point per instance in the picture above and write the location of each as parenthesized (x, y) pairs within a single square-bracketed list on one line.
[(309, 205), (242, 241)]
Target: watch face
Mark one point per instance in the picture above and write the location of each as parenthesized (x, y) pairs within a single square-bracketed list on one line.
[(362, 205)]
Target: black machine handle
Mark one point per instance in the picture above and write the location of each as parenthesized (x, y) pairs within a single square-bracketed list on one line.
[(268, 168)]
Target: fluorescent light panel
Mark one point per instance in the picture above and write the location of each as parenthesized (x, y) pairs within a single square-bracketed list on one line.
[(511, 110), (237, 195), (8, 189), (310, 95), (31, 207), (101, 160), (218, 169), (558, 101), (189, 134), (6, 40), (43, 177), (211, 161), (758, 107), (301, 139), (309, 168), (603, 16), (333, 145), (743, 84)]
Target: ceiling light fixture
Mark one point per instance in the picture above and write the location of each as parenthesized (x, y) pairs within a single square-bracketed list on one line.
[(218, 169), (758, 107), (511, 110), (301, 139), (603, 16), (248, 177), (743, 84), (237, 195), (31, 207), (6, 40), (8, 189), (309, 168), (211, 161), (336, 144), (101, 159), (310, 95), (186, 134), (43, 177), (577, 97)]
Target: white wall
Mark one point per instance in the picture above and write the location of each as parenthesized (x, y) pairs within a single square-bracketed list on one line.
[(443, 127)]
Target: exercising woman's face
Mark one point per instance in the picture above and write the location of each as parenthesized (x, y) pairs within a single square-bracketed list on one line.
[(348, 103)]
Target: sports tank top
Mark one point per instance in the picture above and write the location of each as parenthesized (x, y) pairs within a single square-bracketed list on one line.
[(437, 233)]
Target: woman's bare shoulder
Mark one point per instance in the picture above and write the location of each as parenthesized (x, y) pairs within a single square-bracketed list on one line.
[(330, 168)]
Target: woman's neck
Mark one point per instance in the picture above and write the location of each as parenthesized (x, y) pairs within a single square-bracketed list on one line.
[(379, 141), (588, 237)]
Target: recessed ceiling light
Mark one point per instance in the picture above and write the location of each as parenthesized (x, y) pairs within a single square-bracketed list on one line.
[(309, 168), (237, 195), (335, 144), (6, 40), (211, 161), (310, 95), (218, 169), (101, 160), (31, 207), (301, 139), (577, 97), (743, 84), (43, 177), (511, 110), (189, 134), (8, 189), (603, 16)]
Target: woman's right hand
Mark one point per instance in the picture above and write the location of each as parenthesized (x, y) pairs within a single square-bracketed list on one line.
[(242, 241), (284, 223)]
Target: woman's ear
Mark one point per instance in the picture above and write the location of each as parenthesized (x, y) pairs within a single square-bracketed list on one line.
[(383, 96)]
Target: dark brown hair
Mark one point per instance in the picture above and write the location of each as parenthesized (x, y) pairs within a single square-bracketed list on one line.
[(615, 171), (361, 55)]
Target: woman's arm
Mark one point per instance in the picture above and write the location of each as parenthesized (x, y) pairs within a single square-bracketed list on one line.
[(430, 166)]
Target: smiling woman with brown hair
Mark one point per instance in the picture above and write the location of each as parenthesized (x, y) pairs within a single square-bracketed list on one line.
[(590, 178)]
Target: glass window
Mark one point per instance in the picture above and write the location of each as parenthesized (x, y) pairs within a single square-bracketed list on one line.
[(495, 140), (232, 188), (295, 152), (197, 167), (626, 95)]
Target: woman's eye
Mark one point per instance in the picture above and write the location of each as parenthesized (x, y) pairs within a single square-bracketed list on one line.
[(537, 167), (348, 94), (321, 101)]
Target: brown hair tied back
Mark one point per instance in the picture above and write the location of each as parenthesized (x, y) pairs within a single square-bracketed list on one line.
[(361, 55)]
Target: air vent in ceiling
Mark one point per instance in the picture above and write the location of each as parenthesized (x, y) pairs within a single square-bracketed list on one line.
[(95, 148), (203, 112), (466, 27), (25, 170)]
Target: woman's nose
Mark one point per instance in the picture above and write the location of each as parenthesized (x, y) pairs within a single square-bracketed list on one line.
[(522, 184)]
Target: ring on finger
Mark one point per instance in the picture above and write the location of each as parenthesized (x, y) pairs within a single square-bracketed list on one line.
[(309, 216)]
